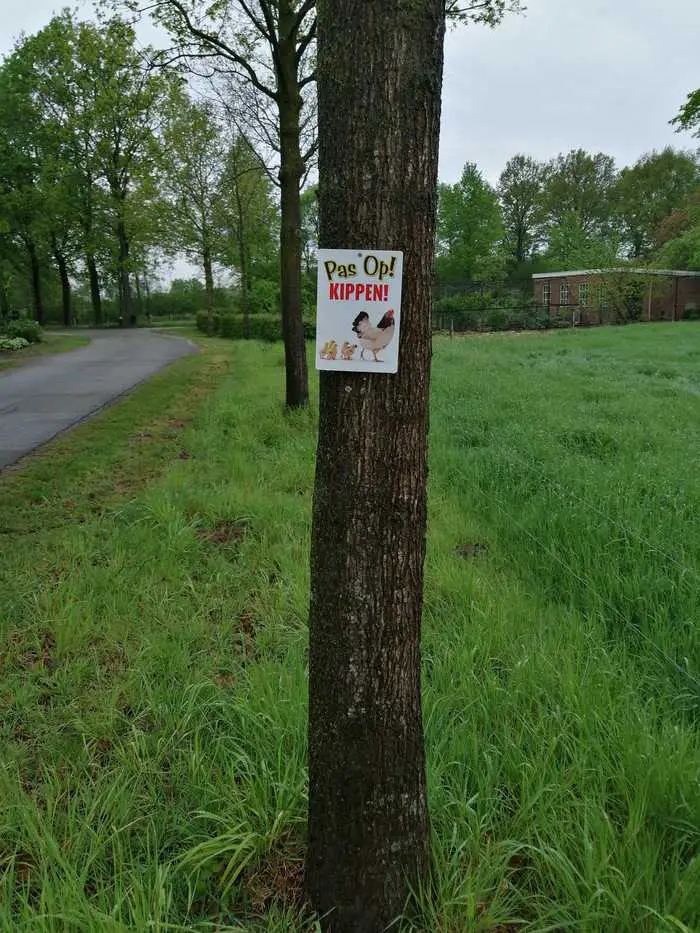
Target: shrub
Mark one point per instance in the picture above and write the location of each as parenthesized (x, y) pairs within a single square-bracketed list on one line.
[(266, 327), (28, 330), (13, 343)]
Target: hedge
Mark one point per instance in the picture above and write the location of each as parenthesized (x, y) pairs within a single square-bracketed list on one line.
[(266, 327)]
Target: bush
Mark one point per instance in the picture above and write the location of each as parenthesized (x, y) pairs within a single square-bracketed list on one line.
[(266, 327), (13, 343), (28, 330)]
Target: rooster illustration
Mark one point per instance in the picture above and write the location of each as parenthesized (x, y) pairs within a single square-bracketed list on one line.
[(376, 338)]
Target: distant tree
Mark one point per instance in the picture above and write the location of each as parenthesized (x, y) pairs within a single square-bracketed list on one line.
[(192, 163), (309, 227), (267, 45), (579, 185), (469, 227), (678, 237), (651, 189), (23, 142), (127, 110), (571, 247), (688, 118), (247, 215), (520, 190)]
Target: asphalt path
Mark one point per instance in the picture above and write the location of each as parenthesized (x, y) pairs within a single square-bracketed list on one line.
[(52, 393)]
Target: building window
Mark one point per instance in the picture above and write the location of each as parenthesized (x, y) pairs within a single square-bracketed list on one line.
[(564, 294), (583, 295), (603, 299), (546, 294)]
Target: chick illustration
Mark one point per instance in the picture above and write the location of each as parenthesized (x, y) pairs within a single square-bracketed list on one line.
[(329, 351), (374, 339)]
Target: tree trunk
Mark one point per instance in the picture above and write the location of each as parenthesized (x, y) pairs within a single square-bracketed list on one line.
[(66, 303), (243, 262), (379, 111), (126, 305), (36, 282), (291, 171), (4, 301), (209, 287), (139, 301), (95, 297)]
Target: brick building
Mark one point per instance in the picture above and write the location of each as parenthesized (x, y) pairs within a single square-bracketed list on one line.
[(599, 296)]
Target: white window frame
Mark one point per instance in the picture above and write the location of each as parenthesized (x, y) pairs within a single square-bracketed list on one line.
[(564, 293), (583, 294), (546, 294)]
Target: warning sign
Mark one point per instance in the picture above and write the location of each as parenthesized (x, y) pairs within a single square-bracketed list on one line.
[(358, 314)]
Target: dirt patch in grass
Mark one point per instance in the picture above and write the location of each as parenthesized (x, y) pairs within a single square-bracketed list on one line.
[(277, 880), (226, 532)]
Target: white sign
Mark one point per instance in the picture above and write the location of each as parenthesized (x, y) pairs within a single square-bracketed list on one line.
[(358, 312)]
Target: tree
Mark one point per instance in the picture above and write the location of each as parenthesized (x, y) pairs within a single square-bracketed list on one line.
[(193, 163), (268, 45), (688, 118), (23, 140), (309, 227), (247, 214), (651, 189), (572, 247), (127, 107), (579, 185), (379, 85), (520, 192), (678, 237), (469, 227)]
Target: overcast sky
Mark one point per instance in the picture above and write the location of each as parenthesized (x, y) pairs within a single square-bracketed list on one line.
[(604, 75)]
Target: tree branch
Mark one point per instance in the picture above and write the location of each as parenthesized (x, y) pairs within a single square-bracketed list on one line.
[(305, 41), (222, 47)]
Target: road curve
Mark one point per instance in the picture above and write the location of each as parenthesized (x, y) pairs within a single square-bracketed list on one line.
[(52, 393)]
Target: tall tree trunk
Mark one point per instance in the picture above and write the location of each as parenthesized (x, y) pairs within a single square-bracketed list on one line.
[(243, 262), (379, 92), (95, 296), (139, 301), (36, 281), (4, 300), (66, 302), (291, 171), (126, 304), (209, 289)]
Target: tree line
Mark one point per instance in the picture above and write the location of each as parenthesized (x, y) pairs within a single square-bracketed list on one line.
[(108, 166), (575, 211)]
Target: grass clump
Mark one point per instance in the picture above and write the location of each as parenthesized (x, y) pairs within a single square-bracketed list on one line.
[(153, 647)]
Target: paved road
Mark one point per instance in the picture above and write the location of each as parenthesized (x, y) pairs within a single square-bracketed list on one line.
[(51, 393)]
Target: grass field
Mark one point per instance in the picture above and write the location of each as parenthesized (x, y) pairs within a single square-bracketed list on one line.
[(153, 585)]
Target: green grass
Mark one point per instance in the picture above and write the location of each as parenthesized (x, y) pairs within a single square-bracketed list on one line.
[(51, 343), (154, 586)]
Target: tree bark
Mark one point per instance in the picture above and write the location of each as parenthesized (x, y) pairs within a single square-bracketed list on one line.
[(379, 88), (95, 296), (66, 302), (291, 172), (36, 281)]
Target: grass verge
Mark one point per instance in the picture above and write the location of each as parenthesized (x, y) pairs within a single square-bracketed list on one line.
[(52, 343), (153, 647)]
